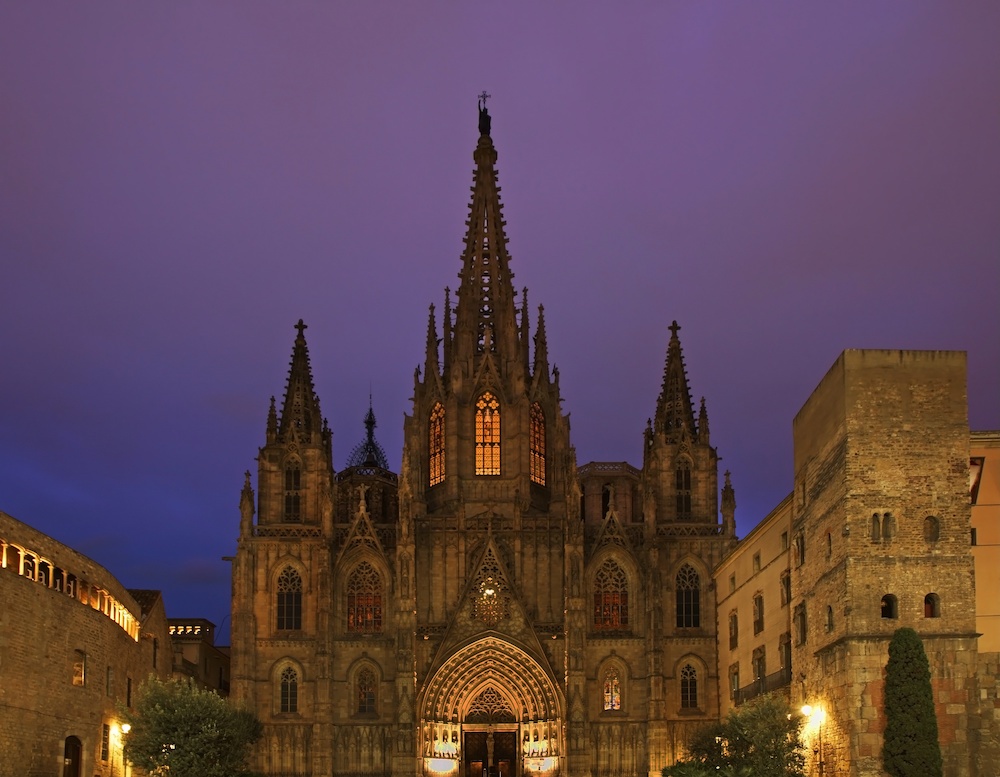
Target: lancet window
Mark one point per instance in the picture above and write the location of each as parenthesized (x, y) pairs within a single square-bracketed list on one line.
[(688, 598), (537, 435), (683, 490), (365, 691), (610, 598), (289, 701), (293, 495), (487, 435), (689, 687), (436, 448), (612, 690), (364, 600), (289, 600)]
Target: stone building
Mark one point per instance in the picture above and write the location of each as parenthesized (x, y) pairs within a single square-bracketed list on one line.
[(490, 608), (874, 537), (74, 644), (495, 609)]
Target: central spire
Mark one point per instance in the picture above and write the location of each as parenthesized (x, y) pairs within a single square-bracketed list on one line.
[(485, 314)]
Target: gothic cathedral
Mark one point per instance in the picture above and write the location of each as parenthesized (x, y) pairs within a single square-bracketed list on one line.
[(493, 609)]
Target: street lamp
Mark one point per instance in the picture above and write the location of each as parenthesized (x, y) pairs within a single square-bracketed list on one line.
[(818, 715), (126, 727)]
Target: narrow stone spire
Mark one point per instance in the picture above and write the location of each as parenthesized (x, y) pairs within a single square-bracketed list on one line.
[(272, 423), (674, 413), (541, 346), (301, 418), (728, 508), (246, 505), (525, 327), (485, 317), (703, 423), (431, 359)]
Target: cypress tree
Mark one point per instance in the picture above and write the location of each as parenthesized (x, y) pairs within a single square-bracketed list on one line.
[(911, 747)]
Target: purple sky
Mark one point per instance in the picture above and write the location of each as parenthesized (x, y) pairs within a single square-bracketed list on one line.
[(180, 182)]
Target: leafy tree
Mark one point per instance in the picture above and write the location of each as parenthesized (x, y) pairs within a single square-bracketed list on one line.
[(760, 737), (910, 747), (183, 730)]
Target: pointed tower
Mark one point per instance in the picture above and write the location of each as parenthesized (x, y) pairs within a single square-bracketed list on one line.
[(295, 468), (485, 483)]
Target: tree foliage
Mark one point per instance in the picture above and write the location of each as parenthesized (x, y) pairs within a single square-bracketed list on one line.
[(185, 731), (760, 737), (910, 747)]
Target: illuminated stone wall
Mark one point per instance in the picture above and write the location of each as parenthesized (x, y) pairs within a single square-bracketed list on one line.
[(73, 641), (881, 446)]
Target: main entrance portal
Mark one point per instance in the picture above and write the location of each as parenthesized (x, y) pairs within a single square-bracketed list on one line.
[(492, 710), (491, 754)]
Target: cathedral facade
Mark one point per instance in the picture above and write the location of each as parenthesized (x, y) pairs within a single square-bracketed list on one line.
[(492, 609)]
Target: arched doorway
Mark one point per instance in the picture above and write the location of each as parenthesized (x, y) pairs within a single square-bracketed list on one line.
[(491, 710), (71, 757)]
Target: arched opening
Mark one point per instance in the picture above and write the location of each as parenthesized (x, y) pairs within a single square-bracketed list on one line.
[(71, 757), (436, 445), (890, 607), (932, 529), (932, 606)]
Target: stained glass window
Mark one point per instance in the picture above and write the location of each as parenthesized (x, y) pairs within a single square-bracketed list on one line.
[(436, 467), (537, 444), (487, 435), (289, 690), (364, 600), (289, 599), (688, 598), (610, 598), (612, 690)]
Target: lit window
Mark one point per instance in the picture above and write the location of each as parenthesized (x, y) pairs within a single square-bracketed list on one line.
[(537, 444), (289, 600), (364, 600), (612, 691), (487, 435), (688, 598), (289, 690), (689, 687), (436, 468), (105, 741), (365, 689), (610, 598)]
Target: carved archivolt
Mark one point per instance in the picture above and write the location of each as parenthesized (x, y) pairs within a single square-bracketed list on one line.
[(496, 665)]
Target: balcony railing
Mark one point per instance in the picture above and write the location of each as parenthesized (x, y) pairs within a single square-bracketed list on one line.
[(762, 685)]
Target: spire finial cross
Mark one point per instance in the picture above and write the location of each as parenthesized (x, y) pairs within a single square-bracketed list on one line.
[(483, 97), (674, 328), (301, 326)]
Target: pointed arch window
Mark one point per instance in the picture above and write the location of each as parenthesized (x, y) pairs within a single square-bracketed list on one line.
[(289, 600), (537, 444), (487, 435), (683, 490), (610, 598), (436, 462), (689, 687), (364, 683), (293, 492), (364, 600), (612, 690), (688, 598), (289, 701)]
